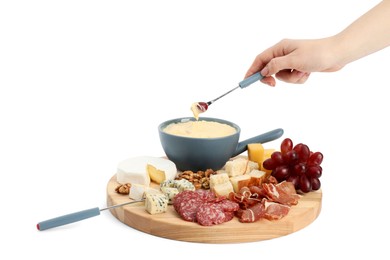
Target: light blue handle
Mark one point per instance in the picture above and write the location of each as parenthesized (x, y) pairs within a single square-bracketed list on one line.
[(250, 80), (263, 138), (67, 219)]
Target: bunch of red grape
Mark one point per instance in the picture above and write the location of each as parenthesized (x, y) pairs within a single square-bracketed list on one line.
[(296, 164)]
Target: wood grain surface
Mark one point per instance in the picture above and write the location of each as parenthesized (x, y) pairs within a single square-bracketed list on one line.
[(170, 225)]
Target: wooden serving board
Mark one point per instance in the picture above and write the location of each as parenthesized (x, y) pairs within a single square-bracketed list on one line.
[(170, 225)]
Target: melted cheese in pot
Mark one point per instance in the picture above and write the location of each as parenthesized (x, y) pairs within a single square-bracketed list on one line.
[(200, 129)]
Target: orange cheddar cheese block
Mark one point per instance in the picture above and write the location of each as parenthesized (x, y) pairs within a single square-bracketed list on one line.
[(267, 154), (256, 153)]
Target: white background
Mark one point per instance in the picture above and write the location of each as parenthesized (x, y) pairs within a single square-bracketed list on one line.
[(84, 84)]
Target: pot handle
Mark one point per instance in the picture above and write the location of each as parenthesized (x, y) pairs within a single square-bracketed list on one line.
[(263, 138)]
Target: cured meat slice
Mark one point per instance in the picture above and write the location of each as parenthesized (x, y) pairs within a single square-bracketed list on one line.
[(186, 204), (283, 193), (206, 195), (210, 214), (244, 198), (228, 206), (183, 196), (204, 207), (252, 214), (229, 215), (288, 193), (275, 211), (258, 191)]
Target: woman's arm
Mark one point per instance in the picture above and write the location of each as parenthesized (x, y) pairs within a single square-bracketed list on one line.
[(293, 60)]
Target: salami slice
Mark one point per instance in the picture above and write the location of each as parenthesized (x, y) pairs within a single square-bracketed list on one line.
[(186, 204), (204, 207), (228, 206), (206, 195), (210, 214), (229, 216)]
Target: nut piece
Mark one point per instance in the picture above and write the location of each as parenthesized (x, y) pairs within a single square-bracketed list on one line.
[(200, 179), (123, 188), (205, 182)]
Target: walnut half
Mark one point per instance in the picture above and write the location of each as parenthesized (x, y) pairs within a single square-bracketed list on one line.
[(123, 188)]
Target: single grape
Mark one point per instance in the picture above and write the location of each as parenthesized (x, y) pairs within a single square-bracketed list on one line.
[(290, 158), (299, 168), (303, 152), (315, 159), (315, 183), (304, 184), (286, 145), (295, 180), (277, 158), (314, 171), (269, 164), (281, 173)]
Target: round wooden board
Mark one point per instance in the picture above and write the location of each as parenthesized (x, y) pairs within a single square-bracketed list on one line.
[(170, 225)]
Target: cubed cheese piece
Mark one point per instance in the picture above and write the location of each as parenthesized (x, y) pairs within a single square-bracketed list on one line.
[(251, 166), (137, 191), (236, 166), (170, 193), (223, 189), (267, 154), (218, 178), (256, 153), (257, 177), (240, 181), (156, 203)]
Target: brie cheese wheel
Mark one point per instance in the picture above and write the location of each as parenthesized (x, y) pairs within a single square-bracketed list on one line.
[(135, 171)]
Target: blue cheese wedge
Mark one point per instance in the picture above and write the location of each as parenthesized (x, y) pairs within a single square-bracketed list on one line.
[(172, 187), (184, 184), (170, 193), (156, 203), (181, 185)]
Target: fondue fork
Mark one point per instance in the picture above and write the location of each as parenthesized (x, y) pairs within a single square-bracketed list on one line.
[(203, 106), (77, 216)]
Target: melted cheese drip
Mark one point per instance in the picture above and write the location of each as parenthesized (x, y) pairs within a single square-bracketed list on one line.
[(195, 110)]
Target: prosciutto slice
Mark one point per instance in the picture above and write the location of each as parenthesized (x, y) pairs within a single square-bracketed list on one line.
[(252, 214), (275, 211), (283, 193), (271, 201)]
